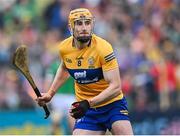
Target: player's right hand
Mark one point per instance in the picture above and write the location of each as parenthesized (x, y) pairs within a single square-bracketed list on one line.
[(45, 98)]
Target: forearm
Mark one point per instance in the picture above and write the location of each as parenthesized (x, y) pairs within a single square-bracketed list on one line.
[(60, 77), (111, 92)]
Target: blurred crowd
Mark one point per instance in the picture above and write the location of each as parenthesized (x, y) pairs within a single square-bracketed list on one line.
[(145, 35)]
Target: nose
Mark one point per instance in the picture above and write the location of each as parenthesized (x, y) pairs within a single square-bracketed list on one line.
[(83, 25)]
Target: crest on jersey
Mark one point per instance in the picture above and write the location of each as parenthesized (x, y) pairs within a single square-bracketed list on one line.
[(91, 61)]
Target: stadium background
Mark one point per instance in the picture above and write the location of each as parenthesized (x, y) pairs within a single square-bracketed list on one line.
[(145, 35)]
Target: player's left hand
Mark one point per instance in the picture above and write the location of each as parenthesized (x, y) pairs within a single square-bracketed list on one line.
[(79, 109)]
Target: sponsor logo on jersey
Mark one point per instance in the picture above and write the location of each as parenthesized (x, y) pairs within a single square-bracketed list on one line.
[(86, 76), (80, 75), (88, 81)]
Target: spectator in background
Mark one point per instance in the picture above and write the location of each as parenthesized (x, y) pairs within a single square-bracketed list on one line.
[(54, 18)]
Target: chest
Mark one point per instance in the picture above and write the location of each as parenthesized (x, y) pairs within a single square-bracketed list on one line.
[(82, 59), (84, 66)]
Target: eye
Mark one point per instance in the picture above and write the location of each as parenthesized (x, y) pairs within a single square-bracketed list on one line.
[(87, 22), (78, 22)]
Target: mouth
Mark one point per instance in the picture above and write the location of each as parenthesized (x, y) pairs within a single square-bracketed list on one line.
[(84, 33)]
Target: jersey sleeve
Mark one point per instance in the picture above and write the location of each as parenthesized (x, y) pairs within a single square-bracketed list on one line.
[(61, 58), (61, 53), (107, 58), (63, 46)]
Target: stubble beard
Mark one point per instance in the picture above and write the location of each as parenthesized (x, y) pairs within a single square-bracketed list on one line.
[(84, 39)]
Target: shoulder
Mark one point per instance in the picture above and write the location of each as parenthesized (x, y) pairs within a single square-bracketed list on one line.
[(65, 45), (101, 44), (67, 42)]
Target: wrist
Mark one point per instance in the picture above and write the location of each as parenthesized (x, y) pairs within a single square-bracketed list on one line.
[(51, 93), (90, 103)]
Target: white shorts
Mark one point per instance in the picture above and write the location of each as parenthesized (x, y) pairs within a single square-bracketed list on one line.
[(62, 102)]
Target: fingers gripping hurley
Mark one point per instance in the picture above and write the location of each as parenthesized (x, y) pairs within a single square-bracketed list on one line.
[(21, 62)]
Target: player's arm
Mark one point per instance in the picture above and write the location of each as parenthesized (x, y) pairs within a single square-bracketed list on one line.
[(111, 75), (61, 76), (114, 89)]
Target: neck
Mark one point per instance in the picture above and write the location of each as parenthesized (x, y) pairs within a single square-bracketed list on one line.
[(80, 45)]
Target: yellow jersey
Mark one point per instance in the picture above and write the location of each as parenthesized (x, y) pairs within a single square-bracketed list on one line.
[(86, 66)]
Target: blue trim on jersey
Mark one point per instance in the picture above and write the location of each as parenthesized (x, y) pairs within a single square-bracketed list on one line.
[(101, 119), (86, 76)]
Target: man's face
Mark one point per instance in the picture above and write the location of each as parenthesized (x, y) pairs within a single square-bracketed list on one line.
[(83, 29)]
